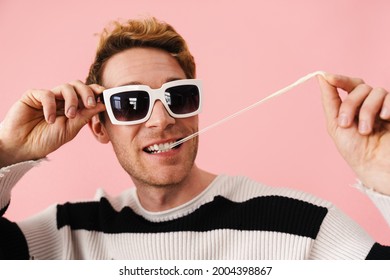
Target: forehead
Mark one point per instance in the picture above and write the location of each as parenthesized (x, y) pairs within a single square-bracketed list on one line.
[(148, 66)]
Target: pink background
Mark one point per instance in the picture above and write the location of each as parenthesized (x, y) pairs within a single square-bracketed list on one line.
[(243, 48)]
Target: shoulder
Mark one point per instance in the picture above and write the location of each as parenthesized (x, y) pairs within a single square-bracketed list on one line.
[(242, 188)]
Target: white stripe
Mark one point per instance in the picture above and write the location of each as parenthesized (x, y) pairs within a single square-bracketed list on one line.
[(216, 244)]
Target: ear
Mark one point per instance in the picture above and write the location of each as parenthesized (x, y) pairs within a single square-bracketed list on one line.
[(98, 130)]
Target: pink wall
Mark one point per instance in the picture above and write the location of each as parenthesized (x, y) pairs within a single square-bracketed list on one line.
[(250, 48)]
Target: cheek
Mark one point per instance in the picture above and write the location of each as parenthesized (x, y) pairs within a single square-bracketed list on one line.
[(191, 122), (122, 136)]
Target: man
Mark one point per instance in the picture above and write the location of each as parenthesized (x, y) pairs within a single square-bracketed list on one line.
[(177, 210)]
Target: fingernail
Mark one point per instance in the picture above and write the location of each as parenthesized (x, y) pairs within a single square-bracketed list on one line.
[(71, 111), (385, 113), (343, 120), (51, 118), (363, 127), (91, 101)]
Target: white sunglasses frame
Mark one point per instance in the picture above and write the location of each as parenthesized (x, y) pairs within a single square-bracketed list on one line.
[(154, 95)]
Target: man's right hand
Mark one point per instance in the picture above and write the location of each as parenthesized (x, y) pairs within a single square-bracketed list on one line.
[(44, 120)]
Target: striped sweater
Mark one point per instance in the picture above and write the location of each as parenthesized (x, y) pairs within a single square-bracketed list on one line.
[(234, 218)]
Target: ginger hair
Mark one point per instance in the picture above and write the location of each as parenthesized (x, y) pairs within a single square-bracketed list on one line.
[(148, 32)]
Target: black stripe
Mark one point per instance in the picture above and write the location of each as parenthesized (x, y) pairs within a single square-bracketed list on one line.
[(270, 213), (13, 244), (3, 210), (379, 252)]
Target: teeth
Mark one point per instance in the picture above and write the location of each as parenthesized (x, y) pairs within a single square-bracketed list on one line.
[(159, 148)]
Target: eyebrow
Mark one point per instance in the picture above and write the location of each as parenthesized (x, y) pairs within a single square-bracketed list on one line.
[(140, 83), (100, 96)]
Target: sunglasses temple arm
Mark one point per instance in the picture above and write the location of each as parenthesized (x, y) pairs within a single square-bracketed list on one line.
[(277, 93)]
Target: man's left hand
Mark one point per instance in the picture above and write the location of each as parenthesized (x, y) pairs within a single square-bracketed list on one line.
[(359, 125)]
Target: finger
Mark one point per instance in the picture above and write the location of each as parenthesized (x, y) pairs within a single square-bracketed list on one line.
[(84, 116), (385, 112), (86, 93), (331, 102), (97, 90), (370, 109), (343, 82), (69, 95), (42, 99), (351, 104)]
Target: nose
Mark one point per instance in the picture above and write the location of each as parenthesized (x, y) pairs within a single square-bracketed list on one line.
[(160, 118)]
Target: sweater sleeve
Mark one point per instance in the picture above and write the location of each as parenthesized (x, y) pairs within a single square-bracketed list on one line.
[(9, 176), (34, 238), (13, 244), (341, 238), (381, 201)]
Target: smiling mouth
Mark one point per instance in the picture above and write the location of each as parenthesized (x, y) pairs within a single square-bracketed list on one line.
[(161, 148)]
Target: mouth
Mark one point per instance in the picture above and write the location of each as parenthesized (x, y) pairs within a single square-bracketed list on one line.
[(161, 148)]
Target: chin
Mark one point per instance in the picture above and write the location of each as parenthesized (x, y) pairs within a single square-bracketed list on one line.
[(163, 177), (166, 179)]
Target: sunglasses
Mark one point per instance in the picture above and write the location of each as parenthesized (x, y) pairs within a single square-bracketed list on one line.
[(133, 104)]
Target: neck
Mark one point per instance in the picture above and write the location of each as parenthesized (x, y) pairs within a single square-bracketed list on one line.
[(156, 199)]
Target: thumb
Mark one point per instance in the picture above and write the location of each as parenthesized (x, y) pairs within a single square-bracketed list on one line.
[(331, 102)]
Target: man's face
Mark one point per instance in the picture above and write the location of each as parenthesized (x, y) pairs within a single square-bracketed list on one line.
[(150, 67)]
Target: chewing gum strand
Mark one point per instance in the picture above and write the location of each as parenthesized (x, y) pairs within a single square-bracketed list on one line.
[(277, 93)]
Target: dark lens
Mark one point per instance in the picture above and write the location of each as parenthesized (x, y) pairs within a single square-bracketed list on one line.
[(130, 105), (183, 99)]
